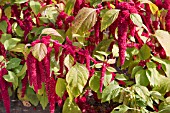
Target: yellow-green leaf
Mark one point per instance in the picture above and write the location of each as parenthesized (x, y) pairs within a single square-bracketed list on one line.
[(60, 87), (50, 31), (39, 51), (35, 6), (164, 39), (70, 107), (8, 12), (84, 20), (76, 79), (153, 8), (108, 18), (136, 19)]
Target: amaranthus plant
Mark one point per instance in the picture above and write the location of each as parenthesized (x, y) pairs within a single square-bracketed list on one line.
[(76, 53)]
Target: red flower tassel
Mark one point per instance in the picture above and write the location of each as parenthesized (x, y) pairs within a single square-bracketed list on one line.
[(122, 35), (102, 76), (24, 84), (32, 71), (4, 90)]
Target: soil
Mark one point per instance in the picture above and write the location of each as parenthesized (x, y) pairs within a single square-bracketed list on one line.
[(18, 107)]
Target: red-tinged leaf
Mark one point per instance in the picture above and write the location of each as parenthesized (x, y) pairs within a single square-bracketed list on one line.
[(85, 19), (39, 51)]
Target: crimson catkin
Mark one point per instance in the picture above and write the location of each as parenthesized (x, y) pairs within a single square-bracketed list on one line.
[(167, 19), (122, 35), (62, 15), (61, 64), (48, 2), (166, 4), (2, 50), (24, 85), (78, 5), (9, 27), (4, 90), (148, 18), (56, 47), (27, 22), (159, 3), (42, 71), (97, 31), (32, 71), (39, 80), (52, 94), (102, 76)]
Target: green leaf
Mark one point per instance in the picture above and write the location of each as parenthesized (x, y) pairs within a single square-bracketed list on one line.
[(135, 70), (141, 78), (18, 48), (14, 62), (35, 6), (44, 19), (136, 19), (11, 77), (20, 1), (165, 65), (142, 91), (156, 94), (60, 87), (5, 37), (132, 51), (70, 107), (115, 50), (51, 12), (61, 38), (69, 6), (99, 57), (153, 8), (103, 46), (144, 52), (165, 110), (84, 20), (110, 92), (3, 25), (108, 18), (76, 79), (94, 82), (44, 100), (95, 2), (51, 31), (7, 12), (37, 30), (23, 70), (39, 51), (1, 58), (69, 61), (111, 69), (120, 77), (121, 108), (107, 78), (154, 77), (151, 65), (98, 65), (32, 97), (11, 43), (164, 39), (19, 31)]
